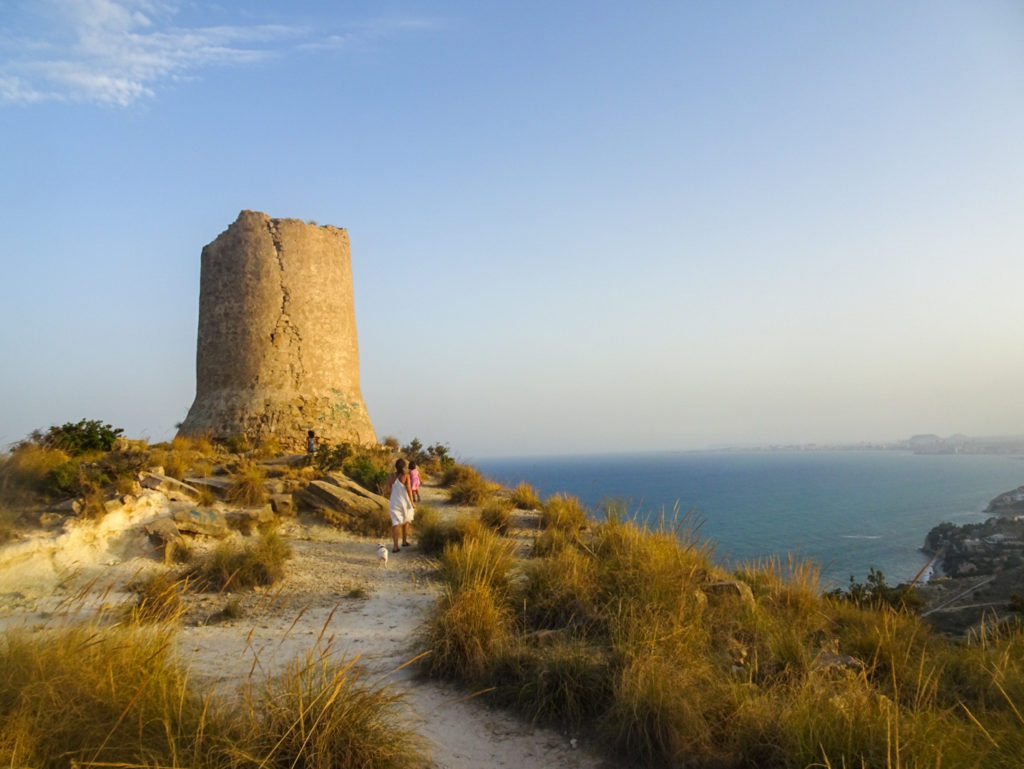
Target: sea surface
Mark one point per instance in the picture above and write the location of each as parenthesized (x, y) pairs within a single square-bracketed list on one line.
[(849, 511)]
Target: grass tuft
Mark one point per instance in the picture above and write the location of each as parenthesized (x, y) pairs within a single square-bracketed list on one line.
[(524, 497), (87, 695), (433, 534), (469, 629), (564, 513), (470, 488), (240, 568), (247, 487), (497, 514), (322, 715), (159, 599)]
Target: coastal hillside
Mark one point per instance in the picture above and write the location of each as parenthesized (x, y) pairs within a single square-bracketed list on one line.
[(559, 640), (980, 567)]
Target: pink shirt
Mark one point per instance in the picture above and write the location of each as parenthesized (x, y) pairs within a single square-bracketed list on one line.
[(414, 479)]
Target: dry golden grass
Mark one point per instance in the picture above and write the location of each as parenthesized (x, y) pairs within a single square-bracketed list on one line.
[(497, 514), (323, 715), (92, 694), (525, 497), (565, 513), (240, 567), (638, 638), (247, 487)]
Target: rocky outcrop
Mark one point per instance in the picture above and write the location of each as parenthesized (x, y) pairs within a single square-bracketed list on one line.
[(1008, 503), (345, 503), (277, 353)]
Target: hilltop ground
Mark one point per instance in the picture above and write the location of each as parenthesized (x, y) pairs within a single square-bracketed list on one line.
[(335, 592)]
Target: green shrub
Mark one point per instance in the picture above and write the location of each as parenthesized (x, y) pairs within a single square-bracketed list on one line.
[(370, 469), (875, 592), (328, 458), (563, 683), (64, 478), (81, 437), (8, 523), (238, 444)]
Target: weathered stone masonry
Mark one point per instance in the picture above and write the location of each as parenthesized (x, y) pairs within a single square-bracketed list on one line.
[(277, 352)]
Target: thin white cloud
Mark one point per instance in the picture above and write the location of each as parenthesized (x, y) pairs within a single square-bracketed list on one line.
[(119, 51)]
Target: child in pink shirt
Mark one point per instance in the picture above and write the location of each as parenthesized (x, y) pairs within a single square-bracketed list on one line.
[(414, 481)]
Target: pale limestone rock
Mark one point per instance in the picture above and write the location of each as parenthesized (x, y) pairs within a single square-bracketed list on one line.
[(217, 486), (283, 504), (202, 521), (324, 494), (735, 589), (171, 487), (277, 351)]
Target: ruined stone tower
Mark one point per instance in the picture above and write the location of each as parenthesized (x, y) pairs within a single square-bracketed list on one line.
[(277, 351)]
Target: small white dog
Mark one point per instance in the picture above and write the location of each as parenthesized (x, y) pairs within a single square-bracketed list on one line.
[(382, 554)]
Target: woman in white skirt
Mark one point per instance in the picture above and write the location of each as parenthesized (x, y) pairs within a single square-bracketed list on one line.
[(399, 493)]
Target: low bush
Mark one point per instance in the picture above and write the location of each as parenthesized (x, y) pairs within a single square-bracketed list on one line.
[(238, 444), (369, 468), (25, 471), (82, 437), (328, 458), (269, 446), (563, 684), (8, 522)]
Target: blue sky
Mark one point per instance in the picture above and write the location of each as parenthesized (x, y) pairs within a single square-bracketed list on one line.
[(575, 226)]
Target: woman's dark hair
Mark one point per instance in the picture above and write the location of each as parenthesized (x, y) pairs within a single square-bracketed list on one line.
[(412, 465), (400, 466)]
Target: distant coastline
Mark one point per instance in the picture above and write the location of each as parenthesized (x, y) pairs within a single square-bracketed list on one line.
[(917, 444)]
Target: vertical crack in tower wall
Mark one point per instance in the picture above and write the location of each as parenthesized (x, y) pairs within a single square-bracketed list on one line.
[(285, 331)]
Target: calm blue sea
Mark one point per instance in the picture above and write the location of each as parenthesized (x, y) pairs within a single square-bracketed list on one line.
[(847, 510)]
